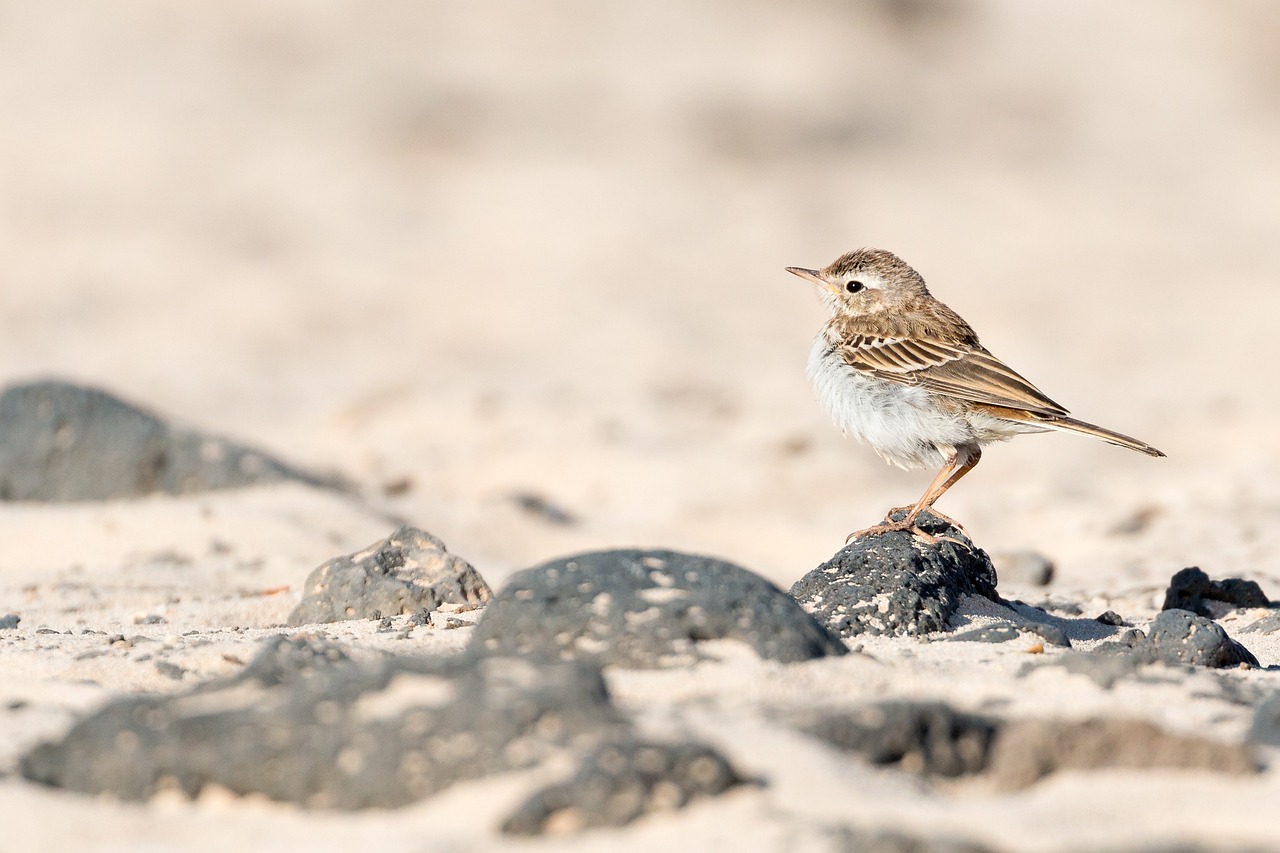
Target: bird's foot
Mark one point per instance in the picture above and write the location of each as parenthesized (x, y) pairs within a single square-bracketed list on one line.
[(945, 519), (907, 524)]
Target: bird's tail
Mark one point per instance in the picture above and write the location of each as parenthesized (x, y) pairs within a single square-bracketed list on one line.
[(1069, 424)]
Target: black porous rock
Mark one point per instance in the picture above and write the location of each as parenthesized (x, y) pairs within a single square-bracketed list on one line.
[(920, 737), (408, 572), (1181, 637), (65, 442), (1110, 617), (1177, 636), (646, 609), (1191, 588), (1266, 722), (620, 782), (305, 724), (897, 583)]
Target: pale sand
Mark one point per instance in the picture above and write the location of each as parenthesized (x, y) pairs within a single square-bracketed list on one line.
[(500, 247)]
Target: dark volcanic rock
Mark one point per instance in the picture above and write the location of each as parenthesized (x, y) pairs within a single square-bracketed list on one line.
[(305, 724), (64, 442), (622, 781), (1178, 636), (921, 737), (1110, 617), (408, 572), (1190, 588), (896, 583), (1027, 750), (645, 609)]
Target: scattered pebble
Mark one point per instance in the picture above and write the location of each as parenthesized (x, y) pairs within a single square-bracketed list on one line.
[(1024, 568)]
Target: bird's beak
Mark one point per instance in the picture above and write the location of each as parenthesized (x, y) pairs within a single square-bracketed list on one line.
[(811, 275)]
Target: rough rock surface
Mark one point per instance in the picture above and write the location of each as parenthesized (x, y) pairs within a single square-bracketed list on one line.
[(1191, 588), (408, 572), (65, 442), (646, 609), (622, 781), (1027, 750), (896, 583), (1181, 637), (921, 737), (305, 724)]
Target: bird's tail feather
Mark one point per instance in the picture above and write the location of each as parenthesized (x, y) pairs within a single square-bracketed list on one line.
[(1069, 424)]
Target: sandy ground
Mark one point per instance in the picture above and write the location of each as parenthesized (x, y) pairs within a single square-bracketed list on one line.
[(464, 251)]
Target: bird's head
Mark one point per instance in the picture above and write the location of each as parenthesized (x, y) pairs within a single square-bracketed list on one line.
[(868, 281)]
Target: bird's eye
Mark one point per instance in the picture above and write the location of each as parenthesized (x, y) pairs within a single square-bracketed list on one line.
[(854, 286)]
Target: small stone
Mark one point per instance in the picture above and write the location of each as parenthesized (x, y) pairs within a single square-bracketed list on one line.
[(8, 621), (542, 508), (1036, 621), (170, 670), (1191, 589), (1035, 649), (1025, 568), (1000, 633), (409, 571), (622, 781), (1178, 636), (1110, 617), (922, 737)]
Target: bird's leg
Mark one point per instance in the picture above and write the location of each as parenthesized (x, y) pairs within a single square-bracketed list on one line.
[(964, 460), (960, 463)]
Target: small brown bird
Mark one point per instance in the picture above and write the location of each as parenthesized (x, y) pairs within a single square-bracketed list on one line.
[(905, 374)]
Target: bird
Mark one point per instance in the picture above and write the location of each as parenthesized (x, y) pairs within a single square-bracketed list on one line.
[(900, 371)]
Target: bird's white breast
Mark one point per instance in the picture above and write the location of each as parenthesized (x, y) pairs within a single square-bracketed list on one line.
[(899, 422)]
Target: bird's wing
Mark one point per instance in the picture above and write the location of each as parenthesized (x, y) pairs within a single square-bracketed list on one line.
[(964, 371)]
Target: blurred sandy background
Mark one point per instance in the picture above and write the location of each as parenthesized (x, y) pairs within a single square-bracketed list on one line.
[(478, 249)]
